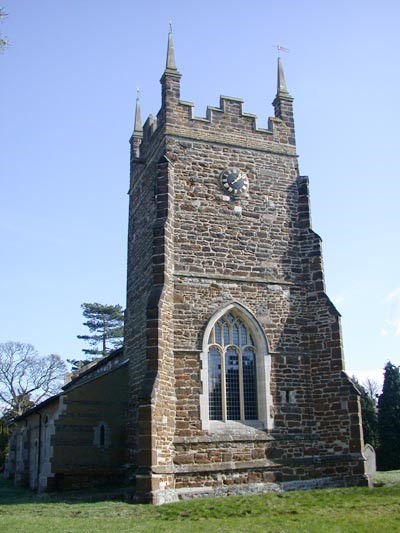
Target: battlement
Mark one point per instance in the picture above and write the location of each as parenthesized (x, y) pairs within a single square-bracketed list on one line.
[(149, 128), (227, 124), (228, 105)]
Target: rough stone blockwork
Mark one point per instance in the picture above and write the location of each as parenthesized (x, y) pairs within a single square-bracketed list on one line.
[(201, 254)]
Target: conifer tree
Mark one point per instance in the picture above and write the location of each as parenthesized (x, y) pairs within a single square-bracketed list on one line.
[(106, 327), (389, 420)]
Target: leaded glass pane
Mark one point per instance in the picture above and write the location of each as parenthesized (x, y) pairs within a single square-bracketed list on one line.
[(249, 384), (226, 335), (243, 335), (218, 333), (214, 384), (235, 337), (231, 318), (232, 384)]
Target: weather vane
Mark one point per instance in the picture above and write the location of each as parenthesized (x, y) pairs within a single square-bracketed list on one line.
[(280, 48), (170, 26)]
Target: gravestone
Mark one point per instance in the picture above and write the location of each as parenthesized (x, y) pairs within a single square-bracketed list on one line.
[(370, 460)]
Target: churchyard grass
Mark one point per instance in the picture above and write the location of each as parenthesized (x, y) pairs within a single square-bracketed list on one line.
[(318, 511), (387, 478)]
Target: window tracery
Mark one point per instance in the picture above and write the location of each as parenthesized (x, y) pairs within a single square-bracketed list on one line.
[(232, 383)]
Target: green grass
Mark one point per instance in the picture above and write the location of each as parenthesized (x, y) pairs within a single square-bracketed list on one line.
[(318, 511), (387, 478)]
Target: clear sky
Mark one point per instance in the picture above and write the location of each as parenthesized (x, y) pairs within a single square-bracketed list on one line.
[(68, 90)]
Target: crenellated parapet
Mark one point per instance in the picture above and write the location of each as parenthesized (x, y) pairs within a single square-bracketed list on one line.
[(226, 124)]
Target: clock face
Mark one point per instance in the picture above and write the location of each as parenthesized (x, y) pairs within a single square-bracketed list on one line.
[(234, 181)]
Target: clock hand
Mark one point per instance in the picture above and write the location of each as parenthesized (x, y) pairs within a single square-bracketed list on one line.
[(237, 179)]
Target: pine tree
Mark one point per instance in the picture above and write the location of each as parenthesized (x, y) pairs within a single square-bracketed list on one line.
[(106, 326), (389, 420)]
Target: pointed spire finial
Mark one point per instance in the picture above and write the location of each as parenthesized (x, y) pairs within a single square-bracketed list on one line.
[(138, 119), (282, 89), (170, 63), (283, 104)]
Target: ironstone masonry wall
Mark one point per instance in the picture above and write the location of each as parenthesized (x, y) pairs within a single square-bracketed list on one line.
[(189, 255), (57, 444), (79, 459)]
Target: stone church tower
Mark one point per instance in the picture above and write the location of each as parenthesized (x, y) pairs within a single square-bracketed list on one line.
[(236, 363)]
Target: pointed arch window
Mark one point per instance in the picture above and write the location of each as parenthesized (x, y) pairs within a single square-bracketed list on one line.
[(232, 378)]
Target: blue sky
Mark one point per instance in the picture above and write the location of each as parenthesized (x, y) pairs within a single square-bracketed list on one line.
[(68, 92)]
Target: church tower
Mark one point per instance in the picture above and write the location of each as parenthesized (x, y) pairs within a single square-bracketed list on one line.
[(235, 350)]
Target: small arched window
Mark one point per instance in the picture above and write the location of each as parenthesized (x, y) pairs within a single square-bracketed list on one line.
[(102, 435), (232, 383)]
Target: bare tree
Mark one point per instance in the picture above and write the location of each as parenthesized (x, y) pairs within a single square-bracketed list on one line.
[(3, 40), (26, 378), (372, 389)]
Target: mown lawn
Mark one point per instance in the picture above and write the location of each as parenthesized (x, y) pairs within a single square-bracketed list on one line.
[(318, 511)]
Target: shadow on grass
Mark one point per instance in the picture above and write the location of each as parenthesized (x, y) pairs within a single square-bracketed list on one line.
[(12, 495)]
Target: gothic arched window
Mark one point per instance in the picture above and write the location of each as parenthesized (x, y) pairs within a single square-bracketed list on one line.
[(232, 381)]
